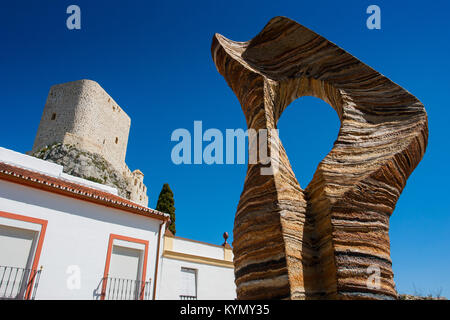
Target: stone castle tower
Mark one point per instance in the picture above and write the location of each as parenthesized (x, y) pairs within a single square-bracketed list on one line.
[(86, 131)]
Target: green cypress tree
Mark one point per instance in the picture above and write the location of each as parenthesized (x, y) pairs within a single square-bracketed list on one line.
[(166, 204)]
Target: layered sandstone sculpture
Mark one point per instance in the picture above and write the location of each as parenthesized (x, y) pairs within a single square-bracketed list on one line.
[(325, 241)]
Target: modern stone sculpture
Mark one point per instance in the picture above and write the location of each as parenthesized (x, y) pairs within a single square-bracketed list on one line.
[(325, 241)]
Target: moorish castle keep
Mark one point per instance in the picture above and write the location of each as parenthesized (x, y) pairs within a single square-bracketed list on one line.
[(83, 129), (72, 206)]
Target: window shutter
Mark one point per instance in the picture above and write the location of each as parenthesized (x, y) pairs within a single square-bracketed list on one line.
[(188, 282), (15, 246), (125, 263)]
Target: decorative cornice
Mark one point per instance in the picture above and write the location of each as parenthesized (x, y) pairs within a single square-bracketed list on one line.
[(197, 259)]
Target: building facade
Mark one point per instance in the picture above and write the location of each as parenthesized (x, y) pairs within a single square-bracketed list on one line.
[(195, 270), (63, 237)]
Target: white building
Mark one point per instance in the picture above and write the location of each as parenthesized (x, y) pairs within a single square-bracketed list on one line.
[(62, 237), (196, 270)]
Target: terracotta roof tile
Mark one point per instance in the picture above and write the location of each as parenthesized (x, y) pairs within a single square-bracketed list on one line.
[(64, 187)]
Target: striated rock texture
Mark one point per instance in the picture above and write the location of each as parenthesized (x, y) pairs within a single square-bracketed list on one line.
[(325, 241)]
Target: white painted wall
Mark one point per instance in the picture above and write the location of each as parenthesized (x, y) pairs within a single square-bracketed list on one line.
[(77, 234), (197, 248), (213, 282)]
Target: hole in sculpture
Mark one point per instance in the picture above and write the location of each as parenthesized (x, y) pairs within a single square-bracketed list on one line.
[(308, 128)]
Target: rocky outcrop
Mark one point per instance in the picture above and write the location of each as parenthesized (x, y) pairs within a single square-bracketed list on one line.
[(86, 165), (331, 239)]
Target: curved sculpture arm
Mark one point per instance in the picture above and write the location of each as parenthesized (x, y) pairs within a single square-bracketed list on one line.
[(323, 241)]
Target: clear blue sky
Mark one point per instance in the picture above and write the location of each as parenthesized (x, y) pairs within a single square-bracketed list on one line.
[(154, 59)]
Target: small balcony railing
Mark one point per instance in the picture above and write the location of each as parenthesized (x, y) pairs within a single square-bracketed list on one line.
[(18, 283), (182, 297), (124, 289)]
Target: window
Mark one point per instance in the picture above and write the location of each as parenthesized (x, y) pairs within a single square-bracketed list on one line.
[(126, 263), (16, 254), (188, 290), (117, 140), (21, 240), (53, 116), (125, 269), (16, 246)]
